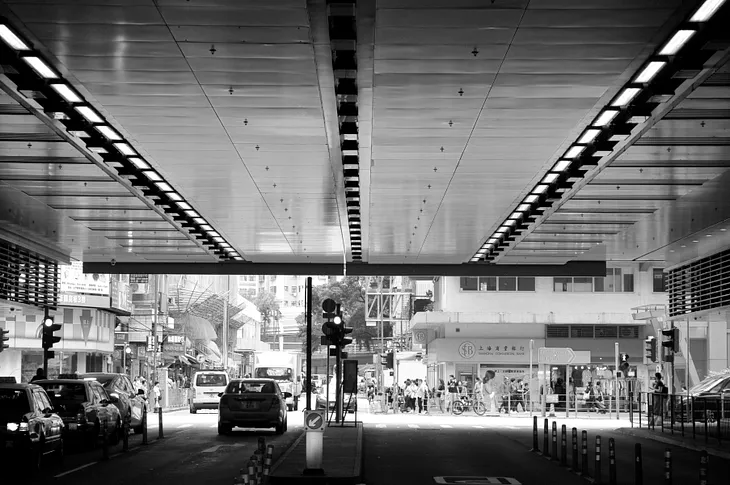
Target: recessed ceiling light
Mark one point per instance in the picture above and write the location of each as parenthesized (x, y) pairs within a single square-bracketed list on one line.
[(706, 11), (676, 42), (510, 222), (492, 240), (108, 132), (695, 241), (625, 97), (606, 117), (125, 149), (164, 186), (502, 229), (561, 166), (139, 163), (708, 235), (66, 92), (648, 73), (723, 230), (218, 239), (152, 175), (682, 246), (589, 135), (89, 114), (39, 66), (574, 151), (474, 260), (12, 40), (225, 246), (550, 178), (516, 215), (237, 258), (98, 149)]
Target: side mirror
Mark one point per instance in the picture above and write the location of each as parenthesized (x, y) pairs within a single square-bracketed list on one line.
[(287, 395), (220, 394)]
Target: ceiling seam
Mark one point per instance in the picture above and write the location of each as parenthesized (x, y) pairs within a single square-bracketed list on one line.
[(217, 116), (473, 129)]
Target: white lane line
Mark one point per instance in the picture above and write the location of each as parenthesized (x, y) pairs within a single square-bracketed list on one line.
[(413, 426), (212, 449), (380, 425), (446, 426), (68, 472), (182, 426)]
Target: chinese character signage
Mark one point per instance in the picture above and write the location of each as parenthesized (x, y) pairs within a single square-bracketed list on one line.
[(120, 296), (91, 301), (121, 338), (497, 350), (74, 280)]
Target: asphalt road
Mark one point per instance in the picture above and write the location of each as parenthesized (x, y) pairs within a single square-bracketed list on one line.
[(191, 452)]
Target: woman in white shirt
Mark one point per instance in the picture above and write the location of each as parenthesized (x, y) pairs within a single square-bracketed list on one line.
[(478, 390)]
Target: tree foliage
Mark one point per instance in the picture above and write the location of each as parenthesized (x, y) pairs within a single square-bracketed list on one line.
[(268, 306), (350, 293)]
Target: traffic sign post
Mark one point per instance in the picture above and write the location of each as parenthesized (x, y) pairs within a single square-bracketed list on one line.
[(314, 422)]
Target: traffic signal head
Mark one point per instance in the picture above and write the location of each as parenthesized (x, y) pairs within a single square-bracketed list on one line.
[(389, 360), (328, 309), (343, 339), (4, 338), (671, 339), (650, 350), (338, 315), (49, 327), (127, 349)]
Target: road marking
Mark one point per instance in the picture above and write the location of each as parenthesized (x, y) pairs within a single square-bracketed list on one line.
[(413, 426), (182, 426), (212, 449), (380, 426), (213, 426), (446, 426), (68, 472)]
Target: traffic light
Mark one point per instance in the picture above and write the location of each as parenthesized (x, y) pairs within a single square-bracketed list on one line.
[(4, 338), (328, 309), (49, 328), (671, 339), (624, 365), (650, 350), (389, 361)]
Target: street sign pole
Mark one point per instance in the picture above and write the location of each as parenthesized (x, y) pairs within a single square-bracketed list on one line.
[(308, 297), (314, 424)]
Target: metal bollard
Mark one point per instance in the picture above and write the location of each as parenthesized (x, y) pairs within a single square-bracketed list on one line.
[(584, 453), (667, 466), (160, 434), (535, 447), (611, 461), (125, 434), (144, 426), (564, 446), (597, 463), (555, 442), (546, 440), (261, 448), (251, 471), (574, 444), (704, 467), (105, 439), (638, 466)]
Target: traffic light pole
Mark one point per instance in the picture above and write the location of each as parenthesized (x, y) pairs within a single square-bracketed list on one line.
[(338, 391), (45, 351), (308, 316)]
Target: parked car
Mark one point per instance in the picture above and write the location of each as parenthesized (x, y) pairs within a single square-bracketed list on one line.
[(84, 406), (711, 397), (205, 389), (132, 404), (29, 427), (252, 403), (349, 400)]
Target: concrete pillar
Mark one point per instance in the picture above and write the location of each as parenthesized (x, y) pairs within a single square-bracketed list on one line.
[(80, 363), (717, 357)]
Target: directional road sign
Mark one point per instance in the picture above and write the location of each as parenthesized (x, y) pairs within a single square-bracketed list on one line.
[(555, 355), (314, 420)]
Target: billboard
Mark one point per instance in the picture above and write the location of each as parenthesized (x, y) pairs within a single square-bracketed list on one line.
[(120, 296), (74, 281)]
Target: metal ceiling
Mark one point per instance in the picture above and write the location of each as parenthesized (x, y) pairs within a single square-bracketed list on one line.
[(462, 106)]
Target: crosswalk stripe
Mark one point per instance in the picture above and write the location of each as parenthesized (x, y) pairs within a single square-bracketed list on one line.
[(184, 426), (414, 426), (446, 426)]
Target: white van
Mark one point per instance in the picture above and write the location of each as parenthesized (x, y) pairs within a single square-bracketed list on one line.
[(206, 385)]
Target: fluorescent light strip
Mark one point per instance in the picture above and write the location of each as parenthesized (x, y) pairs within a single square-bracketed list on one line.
[(625, 97), (226, 246), (540, 189), (199, 220), (89, 114), (206, 227), (676, 42), (574, 151), (706, 11), (561, 166), (505, 229), (12, 40), (649, 71), (108, 132), (550, 178), (40, 67), (213, 234), (67, 93), (531, 199), (125, 149), (152, 175), (474, 260), (588, 136), (237, 258), (164, 186), (502, 229), (174, 196), (509, 222), (492, 240), (524, 207), (218, 239), (139, 163), (605, 118), (184, 206), (516, 215)]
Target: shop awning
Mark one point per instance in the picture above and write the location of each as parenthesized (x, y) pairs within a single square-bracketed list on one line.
[(196, 328)]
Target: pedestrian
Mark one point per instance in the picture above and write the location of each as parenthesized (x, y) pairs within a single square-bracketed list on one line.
[(661, 392), (490, 391), (441, 395), (478, 390), (39, 375), (157, 395), (422, 396), (451, 393)]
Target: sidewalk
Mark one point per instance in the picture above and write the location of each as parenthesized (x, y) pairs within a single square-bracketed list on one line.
[(342, 459), (677, 439)]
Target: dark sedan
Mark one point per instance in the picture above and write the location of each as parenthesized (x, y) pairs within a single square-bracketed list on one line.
[(709, 398), (132, 404)]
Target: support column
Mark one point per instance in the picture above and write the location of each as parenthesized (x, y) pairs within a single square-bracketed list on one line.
[(717, 342)]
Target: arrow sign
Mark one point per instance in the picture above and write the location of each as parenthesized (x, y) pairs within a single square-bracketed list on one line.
[(555, 355), (314, 420)]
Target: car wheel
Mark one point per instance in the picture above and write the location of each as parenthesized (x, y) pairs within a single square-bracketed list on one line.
[(224, 429), (280, 427)]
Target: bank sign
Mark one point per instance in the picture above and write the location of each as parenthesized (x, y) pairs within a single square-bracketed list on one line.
[(496, 351)]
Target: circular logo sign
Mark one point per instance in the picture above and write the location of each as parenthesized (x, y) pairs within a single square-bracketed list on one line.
[(467, 350), (420, 336)]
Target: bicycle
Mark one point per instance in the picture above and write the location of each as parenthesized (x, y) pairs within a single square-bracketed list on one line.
[(463, 404)]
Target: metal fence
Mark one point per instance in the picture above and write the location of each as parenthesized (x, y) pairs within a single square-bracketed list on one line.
[(699, 417)]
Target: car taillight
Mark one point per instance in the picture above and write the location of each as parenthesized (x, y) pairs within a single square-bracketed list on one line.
[(81, 417), (21, 427)]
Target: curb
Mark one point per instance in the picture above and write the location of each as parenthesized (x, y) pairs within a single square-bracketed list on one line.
[(671, 441)]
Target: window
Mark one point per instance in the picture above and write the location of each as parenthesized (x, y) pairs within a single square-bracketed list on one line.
[(592, 331), (616, 280), (583, 284), (562, 284), (286, 288), (494, 283), (660, 280)]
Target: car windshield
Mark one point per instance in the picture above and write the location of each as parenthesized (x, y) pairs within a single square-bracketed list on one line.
[(276, 373), (105, 381), (711, 384), (65, 393), (246, 387), (211, 380), (13, 402)]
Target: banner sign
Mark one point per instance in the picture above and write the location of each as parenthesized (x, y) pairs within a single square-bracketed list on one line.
[(74, 280)]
